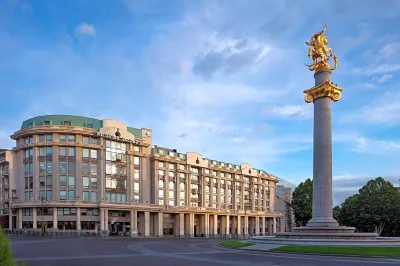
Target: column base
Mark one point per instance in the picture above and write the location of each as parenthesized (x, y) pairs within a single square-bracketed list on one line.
[(104, 233), (134, 233), (322, 222)]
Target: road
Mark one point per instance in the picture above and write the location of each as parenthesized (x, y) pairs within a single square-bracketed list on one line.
[(49, 251)]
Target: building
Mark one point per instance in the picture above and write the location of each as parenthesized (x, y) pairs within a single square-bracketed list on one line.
[(284, 192), (85, 174), (6, 194)]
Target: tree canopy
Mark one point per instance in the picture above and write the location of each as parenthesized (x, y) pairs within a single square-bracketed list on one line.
[(302, 202)]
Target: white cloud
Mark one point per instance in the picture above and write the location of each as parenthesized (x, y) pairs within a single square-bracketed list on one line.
[(86, 29), (303, 111), (385, 78)]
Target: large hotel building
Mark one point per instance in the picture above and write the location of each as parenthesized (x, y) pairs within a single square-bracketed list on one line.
[(71, 173)]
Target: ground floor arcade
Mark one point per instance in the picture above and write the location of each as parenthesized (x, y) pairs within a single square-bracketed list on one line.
[(147, 223)]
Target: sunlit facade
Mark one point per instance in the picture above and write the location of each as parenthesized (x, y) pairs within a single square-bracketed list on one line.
[(90, 175)]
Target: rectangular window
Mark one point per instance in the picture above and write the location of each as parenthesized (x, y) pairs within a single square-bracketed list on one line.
[(49, 167), (71, 195), (136, 160), (49, 194), (46, 123), (136, 174), (42, 182), (63, 195), (63, 138), (63, 167), (41, 151), (94, 141), (85, 140), (49, 151), (93, 196), (42, 194), (63, 151), (85, 182), (93, 169), (71, 181), (63, 181), (71, 151), (71, 138), (42, 138), (49, 181), (67, 123), (71, 167), (93, 182), (85, 195), (93, 154), (89, 125), (136, 187), (42, 168), (85, 153), (49, 137)]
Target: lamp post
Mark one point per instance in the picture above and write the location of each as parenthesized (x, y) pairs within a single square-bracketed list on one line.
[(43, 200)]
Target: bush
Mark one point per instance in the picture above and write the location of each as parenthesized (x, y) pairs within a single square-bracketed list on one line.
[(5, 250)]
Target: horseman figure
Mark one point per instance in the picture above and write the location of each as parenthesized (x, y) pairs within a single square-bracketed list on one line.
[(319, 52)]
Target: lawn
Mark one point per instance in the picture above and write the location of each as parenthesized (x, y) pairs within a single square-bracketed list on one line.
[(234, 244), (389, 252)]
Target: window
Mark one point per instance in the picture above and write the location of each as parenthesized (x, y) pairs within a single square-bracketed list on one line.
[(136, 174), (71, 195), (93, 196), (136, 187), (63, 138), (136, 160), (42, 181), (93, 182), (63, 195), (67, 123), (136, 148), (49, 137), (89, 125), (71, 151), (49, 151), (63, 151), (41, 138), (49, 181), (86, 168), (63, 181), (42, 168), (71, 167), (63, 167), (160, 164), (93, 169), (93, 154), (85, 182), (46, 123), (71, 181), (85, 140), (71, 138), (85, 153), (94, 140), (41, 151), (49, 167), (49, 194), (85, 195)]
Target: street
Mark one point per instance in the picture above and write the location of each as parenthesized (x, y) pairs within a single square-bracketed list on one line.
[(53, 251)]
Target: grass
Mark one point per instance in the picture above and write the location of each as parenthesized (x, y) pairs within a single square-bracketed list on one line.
[(234, 244), (364, 251)]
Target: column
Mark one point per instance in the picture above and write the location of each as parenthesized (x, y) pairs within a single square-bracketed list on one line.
[(239, 226), (227, 226), (146, 224), (55, 222), (272, 197), (263, 225), (322, 215), (191, 224), (181, 221), (20, 219), (274, 225), (133, 221), (207, 225), (101, 219), (106, 220), (78, 218), (282, 224), (34, 218), (159, 223), (10, 221), (257, 226), (215, 225), (246, 226)]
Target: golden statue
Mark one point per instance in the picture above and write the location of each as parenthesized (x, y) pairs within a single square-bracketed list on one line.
[(320, 53)]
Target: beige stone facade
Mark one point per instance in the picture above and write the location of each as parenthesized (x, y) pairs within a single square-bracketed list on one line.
[(82, 174)]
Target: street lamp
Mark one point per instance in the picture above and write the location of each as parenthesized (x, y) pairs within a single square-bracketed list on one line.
[(43, 200)]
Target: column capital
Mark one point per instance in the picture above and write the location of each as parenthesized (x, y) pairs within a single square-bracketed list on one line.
[(325, 89)]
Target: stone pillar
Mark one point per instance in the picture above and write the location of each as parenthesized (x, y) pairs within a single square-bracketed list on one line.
[(263, 226), (239, 226), (106, 220), (215, 225), (146, 224), (34, 218), (282, 224), (159, 223), (55, 216), (274, 225), (78, 218), (207, 225), (101, 219), (227, 226), (322, 215), (181, 221), (191, 225), (246, 226), (10, 221), (133, 221), (257, 225), (20, 218)]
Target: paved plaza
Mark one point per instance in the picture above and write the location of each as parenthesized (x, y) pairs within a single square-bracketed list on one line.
[(48, 251)]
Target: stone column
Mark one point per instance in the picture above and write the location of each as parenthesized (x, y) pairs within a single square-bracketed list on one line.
[(20, 218), (146, 224), (322, 215), (101, 219), (239, 226), (274, 225), (55, 222), (181, 221), (215, 225), (227, 226), (263, 226), (191, 225), (246, 226), (78, 218), (10, 221), (207, 225), (34, 218), (159, 223), (134, 230), (257, 226), (106, 220)]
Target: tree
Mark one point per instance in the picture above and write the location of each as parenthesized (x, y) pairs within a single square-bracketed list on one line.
[(376, 208), (5, 251), (302, 202), (336, 213)]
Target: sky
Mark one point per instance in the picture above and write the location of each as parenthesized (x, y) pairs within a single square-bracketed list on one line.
[(224, 78)]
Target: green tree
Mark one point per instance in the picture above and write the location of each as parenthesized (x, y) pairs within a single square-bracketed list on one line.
[(336, 213), (5, 251), (302, 202)]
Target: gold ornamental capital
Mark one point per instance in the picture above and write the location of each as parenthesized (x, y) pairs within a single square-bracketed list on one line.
[(325, 89)]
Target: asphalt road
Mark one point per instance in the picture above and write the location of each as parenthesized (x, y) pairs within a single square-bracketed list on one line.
[(49, 251)]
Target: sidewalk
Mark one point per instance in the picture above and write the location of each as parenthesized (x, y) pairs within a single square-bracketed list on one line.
[(261, 247)]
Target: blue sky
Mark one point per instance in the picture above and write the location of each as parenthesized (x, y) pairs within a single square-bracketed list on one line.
[(224, 78)]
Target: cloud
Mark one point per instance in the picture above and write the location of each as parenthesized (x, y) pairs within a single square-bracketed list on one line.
[(293, 111), (385, 78), (85, 29)]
